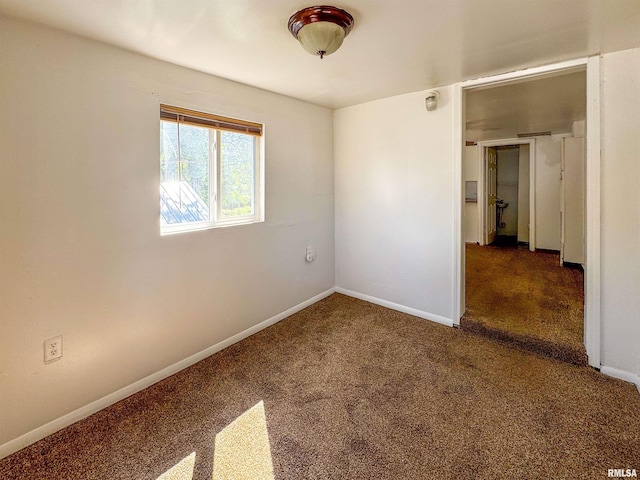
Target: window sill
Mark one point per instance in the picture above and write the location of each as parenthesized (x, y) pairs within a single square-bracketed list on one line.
[(176, 229)]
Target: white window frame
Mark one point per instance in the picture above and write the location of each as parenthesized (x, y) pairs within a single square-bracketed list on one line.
[(215, 206)]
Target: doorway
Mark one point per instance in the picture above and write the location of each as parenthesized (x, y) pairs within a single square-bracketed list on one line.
[(506, 173), (511, 223)]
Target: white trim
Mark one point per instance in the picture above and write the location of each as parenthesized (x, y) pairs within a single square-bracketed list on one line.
[(458, 306), (482, 175), (592, 263), (592, 292), (482, 195), (395, 306), (621, 375), (532, 196), (39, 433), (458, 201), (578, 63)]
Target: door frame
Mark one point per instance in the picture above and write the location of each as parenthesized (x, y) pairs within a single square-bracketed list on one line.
[(592, 315), (482, 175)]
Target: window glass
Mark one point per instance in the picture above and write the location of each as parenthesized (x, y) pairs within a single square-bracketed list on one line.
[(184, 174), (210, 170), (236, 174)]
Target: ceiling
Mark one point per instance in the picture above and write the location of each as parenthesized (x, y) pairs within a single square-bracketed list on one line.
[(546, 103), (396, 46)]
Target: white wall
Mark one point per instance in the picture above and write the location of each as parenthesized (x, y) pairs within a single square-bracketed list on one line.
[(524, 203), (394, 202), (471, 173), (548, 164), (620, 87), (80, 248)]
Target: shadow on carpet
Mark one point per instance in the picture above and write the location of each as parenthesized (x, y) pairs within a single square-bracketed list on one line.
[(525, 299)]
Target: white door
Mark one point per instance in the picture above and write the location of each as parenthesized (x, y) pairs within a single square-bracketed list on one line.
[(573, 201), (492, 191)]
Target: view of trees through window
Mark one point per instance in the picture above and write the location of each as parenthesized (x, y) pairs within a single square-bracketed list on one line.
[(188, 160), (236, 174)]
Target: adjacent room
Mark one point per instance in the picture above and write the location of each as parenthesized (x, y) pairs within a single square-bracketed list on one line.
[(525, 210), (277, 240)]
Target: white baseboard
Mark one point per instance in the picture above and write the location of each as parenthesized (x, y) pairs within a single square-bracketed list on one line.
[(47, 429), (621, 375), (396, 306)]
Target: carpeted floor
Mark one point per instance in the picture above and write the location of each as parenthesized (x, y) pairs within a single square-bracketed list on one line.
[(351, 390), (526, 299)]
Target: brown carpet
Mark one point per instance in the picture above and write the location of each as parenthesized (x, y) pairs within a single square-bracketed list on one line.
[(352, 390), (526, 299)]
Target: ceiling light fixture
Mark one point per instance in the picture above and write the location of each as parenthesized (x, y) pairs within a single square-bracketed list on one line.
[(320, 30)]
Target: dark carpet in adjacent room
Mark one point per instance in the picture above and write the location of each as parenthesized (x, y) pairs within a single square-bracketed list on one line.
[(526, 299), (352, 390)]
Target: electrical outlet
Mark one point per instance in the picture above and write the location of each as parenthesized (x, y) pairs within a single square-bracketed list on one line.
[(52, 349)]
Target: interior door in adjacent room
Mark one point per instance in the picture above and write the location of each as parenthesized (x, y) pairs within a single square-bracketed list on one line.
[(491, 195), (573, 201)]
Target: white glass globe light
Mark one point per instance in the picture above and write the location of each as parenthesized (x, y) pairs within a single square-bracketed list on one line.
[(321, 38)]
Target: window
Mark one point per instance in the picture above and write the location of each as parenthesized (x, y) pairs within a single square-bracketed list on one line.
[(210, 171)]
